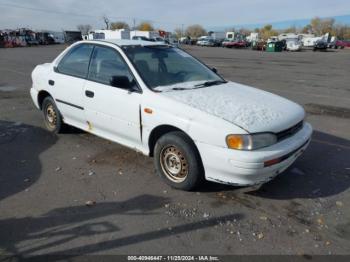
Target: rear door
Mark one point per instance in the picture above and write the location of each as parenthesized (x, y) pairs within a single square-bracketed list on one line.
[(68, 82), (112, 112)]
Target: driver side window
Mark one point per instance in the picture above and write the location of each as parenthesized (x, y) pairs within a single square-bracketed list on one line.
[(105, 64)]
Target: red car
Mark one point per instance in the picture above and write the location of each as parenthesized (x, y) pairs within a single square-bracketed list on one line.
[(339, 44), (235, 44)]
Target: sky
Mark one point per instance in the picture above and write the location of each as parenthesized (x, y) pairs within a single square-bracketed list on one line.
[(167, 14)]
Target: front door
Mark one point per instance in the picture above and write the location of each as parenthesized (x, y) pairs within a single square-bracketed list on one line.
[(111, 111)]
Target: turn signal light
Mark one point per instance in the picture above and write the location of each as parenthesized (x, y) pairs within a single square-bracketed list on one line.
[(235, 141)]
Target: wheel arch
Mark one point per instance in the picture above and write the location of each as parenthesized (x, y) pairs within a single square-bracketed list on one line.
[(41, 96), (160, 131)]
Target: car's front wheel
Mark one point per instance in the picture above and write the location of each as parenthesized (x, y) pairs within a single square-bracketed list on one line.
[(52, 117), (178, 162)]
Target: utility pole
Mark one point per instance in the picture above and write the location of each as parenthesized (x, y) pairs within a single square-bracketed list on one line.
[(182, 30)]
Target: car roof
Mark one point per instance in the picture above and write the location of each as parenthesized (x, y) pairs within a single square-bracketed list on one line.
[(123, 42)]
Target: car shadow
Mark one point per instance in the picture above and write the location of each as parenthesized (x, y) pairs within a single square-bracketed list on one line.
[(322, 171), (63, 225), (20, 147)]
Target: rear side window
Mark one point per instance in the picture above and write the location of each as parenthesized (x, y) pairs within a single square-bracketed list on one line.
[(107, 63), (76, 62)]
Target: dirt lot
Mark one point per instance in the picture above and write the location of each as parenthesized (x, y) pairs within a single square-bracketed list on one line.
[(46, 179)]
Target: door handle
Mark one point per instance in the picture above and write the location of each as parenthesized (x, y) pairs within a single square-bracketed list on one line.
[(89, 93), (51, 82)]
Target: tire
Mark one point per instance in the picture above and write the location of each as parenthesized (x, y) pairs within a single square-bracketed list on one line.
[(177, 161), (52, 117)]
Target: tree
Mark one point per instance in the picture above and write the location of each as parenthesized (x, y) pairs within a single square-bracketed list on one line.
[(119, 25), (327, 25), (267, 27), (322, 26), (341, 31), (307, 29), (106, 21), (267, 31), (316, 25), (195, 31), (291, 29), (245, 31), (178, 32), (346, 33), (145, 26), (84, 29)]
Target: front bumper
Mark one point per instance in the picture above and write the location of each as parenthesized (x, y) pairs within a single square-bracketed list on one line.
[(245, 168)]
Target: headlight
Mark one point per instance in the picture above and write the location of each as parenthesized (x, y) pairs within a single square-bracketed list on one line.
[(250, 142)]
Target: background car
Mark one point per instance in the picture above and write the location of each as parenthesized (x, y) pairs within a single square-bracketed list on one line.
[(339, 44), (142, 38), (226, 42), (235, 44), (293, 45), (205, 41), (209, 42), (320, 45)]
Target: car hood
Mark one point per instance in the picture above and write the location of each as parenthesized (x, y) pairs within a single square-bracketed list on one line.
[(249, 108)]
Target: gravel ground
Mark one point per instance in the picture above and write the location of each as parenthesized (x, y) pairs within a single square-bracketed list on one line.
[(78, 194)]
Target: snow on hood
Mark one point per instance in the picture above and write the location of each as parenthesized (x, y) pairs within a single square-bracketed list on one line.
[(250, 108)]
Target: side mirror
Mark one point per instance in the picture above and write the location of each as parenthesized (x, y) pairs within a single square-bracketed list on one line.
[(214, 70), (122, 82)]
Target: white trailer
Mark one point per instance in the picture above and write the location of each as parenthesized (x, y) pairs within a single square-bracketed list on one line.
[(230, 35), (310, 41), (253, 37), (109, 34), (148, 34), (217, 35), (288, 36)]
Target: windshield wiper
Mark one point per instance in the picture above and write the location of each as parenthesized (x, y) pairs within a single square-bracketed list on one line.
[(179, 88), (211, 83), (201, 85)]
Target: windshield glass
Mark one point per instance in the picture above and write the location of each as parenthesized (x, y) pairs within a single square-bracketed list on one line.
[(167, 68)]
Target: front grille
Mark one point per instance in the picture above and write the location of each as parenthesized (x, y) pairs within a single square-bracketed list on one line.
[(290, 131)]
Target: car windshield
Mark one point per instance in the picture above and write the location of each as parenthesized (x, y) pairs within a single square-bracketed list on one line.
[(165, 68)]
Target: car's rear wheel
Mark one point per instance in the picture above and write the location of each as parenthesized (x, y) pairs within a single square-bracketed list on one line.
[(52, 117), (177, 161)]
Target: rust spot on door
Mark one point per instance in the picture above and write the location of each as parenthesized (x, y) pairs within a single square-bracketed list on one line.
[(89, 126)]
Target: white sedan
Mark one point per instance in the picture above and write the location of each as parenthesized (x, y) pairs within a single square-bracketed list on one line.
[(293, 45), (161, 101)]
